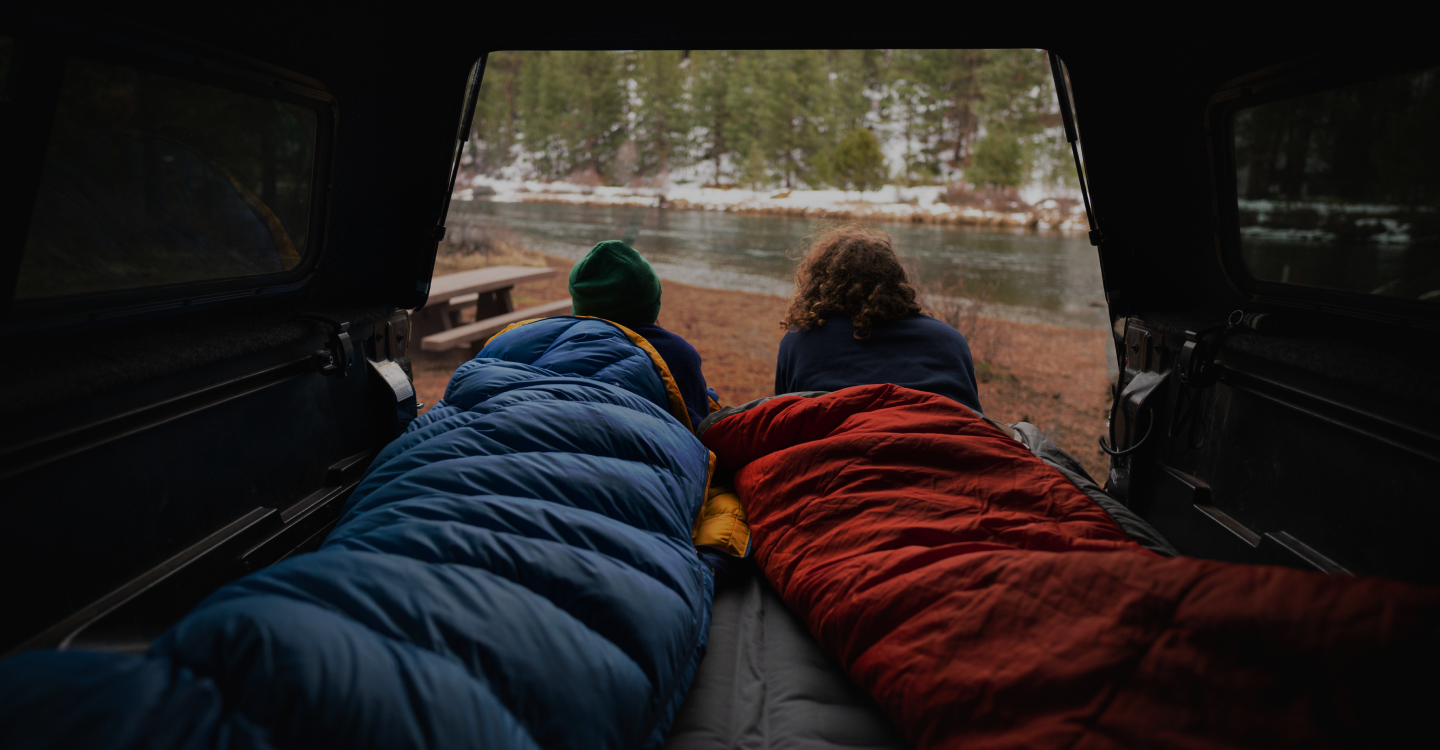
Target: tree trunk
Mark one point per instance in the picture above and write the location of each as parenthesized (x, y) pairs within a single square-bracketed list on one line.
[(1296, 153)]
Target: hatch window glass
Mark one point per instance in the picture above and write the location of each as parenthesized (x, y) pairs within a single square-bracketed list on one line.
[(1339, 189), (153, 180)]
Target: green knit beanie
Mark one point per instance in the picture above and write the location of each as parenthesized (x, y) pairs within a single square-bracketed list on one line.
[(615, 283)]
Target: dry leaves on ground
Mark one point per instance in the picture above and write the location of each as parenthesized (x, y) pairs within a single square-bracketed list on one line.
[(1053, 377)]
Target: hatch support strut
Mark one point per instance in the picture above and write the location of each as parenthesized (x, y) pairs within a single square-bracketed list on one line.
[(1067, 114)]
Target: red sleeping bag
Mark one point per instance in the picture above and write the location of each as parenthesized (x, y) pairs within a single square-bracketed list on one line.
[(986, 602)]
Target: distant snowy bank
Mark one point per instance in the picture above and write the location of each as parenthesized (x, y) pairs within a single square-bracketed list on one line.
[(926, 204), (1324, 222)]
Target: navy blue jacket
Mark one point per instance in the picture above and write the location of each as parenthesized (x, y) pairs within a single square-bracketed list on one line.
[(684, 364), (917, 352)]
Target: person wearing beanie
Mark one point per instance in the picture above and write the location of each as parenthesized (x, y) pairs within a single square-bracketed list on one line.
[(616, 283)]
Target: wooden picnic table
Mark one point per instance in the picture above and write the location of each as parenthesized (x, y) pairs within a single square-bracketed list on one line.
[(438, 324)]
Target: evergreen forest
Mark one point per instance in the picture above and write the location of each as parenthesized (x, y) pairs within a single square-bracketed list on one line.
[(850, 119)]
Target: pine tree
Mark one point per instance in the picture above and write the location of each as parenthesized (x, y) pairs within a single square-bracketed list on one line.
[(542, 98), (794, 116), (660, 107), (495, 127), (790, 103), (1017, 93), (906, 89), (753, 172), (595, 120), (859, 163), (712, 74), (741, 126), (999, 159), (936, 94), (575, 111)]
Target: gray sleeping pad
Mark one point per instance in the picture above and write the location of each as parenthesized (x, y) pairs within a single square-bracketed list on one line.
[(765, 684), (1133, 525)]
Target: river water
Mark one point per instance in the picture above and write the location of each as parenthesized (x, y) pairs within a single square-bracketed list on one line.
[(1040, 277)]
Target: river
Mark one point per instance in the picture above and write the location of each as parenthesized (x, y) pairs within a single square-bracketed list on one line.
[(1039, 277)]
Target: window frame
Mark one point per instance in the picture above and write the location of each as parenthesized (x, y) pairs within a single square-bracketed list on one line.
[(38, 83), (1286, 81)]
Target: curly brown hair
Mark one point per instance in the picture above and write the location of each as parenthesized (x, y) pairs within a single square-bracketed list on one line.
[(851, 272)]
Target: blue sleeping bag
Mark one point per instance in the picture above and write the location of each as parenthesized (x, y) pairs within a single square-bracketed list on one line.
[(515, 571)]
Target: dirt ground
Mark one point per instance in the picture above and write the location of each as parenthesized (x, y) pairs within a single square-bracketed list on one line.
[(1053, 377)]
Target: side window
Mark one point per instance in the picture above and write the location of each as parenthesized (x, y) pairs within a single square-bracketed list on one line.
[(152, 180), (1340, 189)]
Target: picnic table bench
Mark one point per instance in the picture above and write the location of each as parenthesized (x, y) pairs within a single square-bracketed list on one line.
[(438, 324)]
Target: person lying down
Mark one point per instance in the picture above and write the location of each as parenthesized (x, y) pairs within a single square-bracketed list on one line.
[(514, 571), (616, 283), (855, 320), (987, 593)]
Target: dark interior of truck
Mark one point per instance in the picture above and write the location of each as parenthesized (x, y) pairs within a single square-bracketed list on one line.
[(169, 427)]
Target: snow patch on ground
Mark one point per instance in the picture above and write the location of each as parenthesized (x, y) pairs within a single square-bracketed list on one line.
[(1285, 234), (1377, 223), (890, 202), (1324, 208)]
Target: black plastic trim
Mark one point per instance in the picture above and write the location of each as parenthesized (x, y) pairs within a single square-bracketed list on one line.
[(65, 632), (1408, 438), (24, 456), (129, 617)]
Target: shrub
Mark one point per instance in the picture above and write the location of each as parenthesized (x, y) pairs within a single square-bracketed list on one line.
[(859, 163)]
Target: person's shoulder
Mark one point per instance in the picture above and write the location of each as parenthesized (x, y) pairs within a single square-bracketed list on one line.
[(652, 331), (924, 325), (790, 342), (925, 322), (663, 339), (796, 332)]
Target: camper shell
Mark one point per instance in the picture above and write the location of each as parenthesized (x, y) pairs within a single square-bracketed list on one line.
[(162, 438)]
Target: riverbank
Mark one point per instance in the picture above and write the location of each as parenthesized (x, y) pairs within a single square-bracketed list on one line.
[(1051, 376), (933, 204)]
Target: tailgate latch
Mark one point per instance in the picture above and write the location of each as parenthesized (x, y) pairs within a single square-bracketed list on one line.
[(339, 357)]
